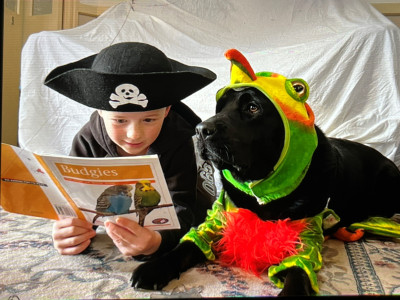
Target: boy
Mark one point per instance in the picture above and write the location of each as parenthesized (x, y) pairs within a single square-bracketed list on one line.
[(136, 90)]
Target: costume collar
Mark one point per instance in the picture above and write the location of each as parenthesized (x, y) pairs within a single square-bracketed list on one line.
[(298, 119)]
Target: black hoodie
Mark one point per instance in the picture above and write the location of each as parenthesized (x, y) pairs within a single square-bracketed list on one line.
[(174, 147)]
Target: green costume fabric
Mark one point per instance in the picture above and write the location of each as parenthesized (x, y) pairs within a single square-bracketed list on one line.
[(211, 230), (309, 258), (379, 226), (207, 234)]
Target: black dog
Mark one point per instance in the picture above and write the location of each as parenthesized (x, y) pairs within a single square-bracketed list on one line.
[(246, 137)]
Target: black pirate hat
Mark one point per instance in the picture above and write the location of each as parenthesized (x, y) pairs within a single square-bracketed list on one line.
[(128, 77)]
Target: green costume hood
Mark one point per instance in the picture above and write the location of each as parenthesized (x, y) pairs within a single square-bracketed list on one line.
[(288, 97)]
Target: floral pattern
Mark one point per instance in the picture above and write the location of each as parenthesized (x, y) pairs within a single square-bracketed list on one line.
[(31, 268)]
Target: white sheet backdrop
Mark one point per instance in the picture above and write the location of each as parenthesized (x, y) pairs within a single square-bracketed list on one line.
[(346, 50)]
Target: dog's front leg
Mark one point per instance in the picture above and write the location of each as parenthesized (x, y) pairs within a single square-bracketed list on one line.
[(296, 283), (157, 273)]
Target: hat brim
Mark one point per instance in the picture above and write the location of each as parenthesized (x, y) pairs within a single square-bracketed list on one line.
[(79, 82)]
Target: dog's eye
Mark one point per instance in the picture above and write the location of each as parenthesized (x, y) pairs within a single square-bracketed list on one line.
[(299, 87), (252, 108)]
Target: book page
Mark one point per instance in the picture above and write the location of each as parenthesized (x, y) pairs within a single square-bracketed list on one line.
[(26, 186), (105, 188)]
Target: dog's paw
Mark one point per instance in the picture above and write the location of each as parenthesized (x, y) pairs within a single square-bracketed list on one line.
[(153, 275), (298, 291), (297, 283), (157, 273)]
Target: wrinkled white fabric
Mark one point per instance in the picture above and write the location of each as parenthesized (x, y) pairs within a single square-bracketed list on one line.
[(346, 50)]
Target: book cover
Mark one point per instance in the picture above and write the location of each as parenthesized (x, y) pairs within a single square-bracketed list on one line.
[(95, 189)]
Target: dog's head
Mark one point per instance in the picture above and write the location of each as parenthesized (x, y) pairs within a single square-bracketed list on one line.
[(262, 136), (246, 136)]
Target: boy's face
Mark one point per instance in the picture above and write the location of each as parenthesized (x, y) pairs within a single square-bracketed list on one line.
[(134, 132)]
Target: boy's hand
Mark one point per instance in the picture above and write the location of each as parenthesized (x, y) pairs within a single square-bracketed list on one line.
[(131, 238), (71, 236)]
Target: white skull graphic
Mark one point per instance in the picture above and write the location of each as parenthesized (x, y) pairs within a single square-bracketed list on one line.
[(127, 94)]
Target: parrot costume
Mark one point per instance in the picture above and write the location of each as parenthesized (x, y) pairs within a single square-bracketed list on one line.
[(237, 235)]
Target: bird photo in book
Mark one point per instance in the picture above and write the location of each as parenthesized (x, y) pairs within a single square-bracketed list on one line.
[(146, 197), (115, 200)]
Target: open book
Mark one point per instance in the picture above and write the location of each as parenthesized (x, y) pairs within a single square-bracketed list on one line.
[(95, 189)]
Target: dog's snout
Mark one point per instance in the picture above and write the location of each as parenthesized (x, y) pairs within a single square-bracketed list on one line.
[(205, 129)]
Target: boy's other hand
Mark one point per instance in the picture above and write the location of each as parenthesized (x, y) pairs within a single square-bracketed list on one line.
[(131, 238), (72, 235)]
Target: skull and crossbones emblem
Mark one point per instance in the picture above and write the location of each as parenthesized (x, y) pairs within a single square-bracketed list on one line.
[(127, 94)]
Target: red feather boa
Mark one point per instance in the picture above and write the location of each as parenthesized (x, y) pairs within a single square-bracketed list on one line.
[(254, 245)]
